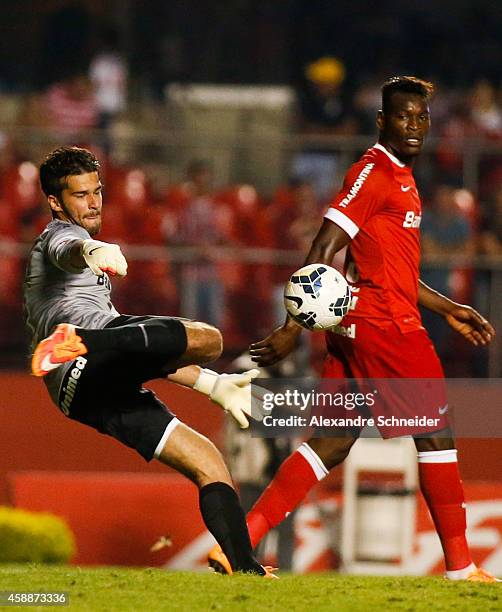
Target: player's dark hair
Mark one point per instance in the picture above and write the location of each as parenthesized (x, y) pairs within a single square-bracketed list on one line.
[(405, 84), (64, 162)]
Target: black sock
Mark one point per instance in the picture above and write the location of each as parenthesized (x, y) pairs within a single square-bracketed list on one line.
[(160, 337), (224, 517)]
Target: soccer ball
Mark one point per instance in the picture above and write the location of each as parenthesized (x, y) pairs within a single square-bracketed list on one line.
[(317, 297)]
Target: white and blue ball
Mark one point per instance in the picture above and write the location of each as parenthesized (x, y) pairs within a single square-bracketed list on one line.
[(317, 297)]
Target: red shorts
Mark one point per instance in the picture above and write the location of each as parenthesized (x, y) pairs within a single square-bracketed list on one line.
[(365, 351)]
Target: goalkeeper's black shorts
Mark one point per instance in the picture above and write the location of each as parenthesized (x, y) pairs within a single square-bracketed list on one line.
[(105, 391)]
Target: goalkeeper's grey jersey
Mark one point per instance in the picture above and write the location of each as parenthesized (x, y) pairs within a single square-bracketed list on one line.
[(56, 292)]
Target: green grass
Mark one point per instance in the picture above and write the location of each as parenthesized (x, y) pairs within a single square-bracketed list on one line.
[(113, 588)]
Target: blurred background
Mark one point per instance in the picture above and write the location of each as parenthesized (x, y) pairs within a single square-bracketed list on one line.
[(224, 128)]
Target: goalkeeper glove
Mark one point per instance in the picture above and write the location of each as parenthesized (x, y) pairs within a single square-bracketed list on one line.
[(104, 257), (234, 393)]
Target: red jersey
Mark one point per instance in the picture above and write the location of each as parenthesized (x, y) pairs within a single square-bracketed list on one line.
[(379, 207)]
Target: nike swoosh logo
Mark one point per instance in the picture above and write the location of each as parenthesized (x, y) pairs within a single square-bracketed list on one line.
[(443, 409), (94, 249), (47, 365), (403, 188)]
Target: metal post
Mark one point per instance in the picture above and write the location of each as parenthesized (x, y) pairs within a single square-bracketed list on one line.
[(470, 169), (495, 347)]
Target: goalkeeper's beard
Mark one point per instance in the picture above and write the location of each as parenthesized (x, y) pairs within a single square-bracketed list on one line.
[(93, 231)]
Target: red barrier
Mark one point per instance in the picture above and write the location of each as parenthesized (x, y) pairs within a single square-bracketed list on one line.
[(36, 436), (116, 518)]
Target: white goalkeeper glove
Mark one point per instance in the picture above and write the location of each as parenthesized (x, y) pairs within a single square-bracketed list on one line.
[(104, 257), (234, 393)]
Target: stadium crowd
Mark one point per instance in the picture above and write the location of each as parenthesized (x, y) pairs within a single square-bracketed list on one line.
[(204, 273), (200, 273)]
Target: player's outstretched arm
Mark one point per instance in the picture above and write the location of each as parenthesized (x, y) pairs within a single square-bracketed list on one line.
[(98, 256), (103, 257), (233, 392), (463, 319), (330, 239)]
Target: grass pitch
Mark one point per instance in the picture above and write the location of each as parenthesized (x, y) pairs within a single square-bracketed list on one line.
[(112, 588)]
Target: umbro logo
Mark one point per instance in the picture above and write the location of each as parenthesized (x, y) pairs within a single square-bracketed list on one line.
[(405, 188), (70, 388)]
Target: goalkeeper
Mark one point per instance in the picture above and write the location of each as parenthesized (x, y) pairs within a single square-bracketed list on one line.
[(94, 361)]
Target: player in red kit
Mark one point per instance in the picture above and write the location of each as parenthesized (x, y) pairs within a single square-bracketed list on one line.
[(377, 215)]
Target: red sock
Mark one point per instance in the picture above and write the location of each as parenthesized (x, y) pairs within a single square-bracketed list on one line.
[(294, 479), (442, 488)]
